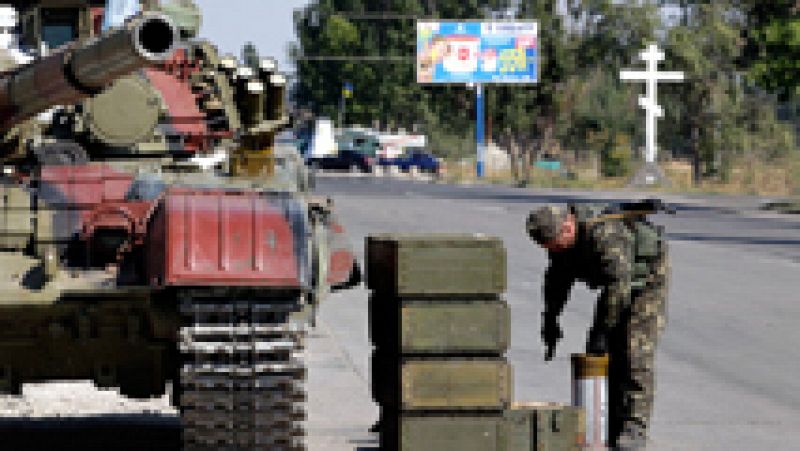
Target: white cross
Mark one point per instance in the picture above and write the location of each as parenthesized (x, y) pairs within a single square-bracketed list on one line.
[(649, 102)]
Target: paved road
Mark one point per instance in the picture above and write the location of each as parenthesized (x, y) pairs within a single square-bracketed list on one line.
[(727, 366)]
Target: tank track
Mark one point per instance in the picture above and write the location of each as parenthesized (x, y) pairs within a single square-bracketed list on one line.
[(242, 375)]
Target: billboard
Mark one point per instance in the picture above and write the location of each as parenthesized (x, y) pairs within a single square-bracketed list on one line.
[(477, 52)]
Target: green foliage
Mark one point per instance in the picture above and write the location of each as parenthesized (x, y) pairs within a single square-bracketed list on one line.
[(778, 70), (616, 156), (250, 56), (714, 116), (579, 104), (794, 175), (347, 42), (772, 42), (613, 32), (339, 35), (579, 95), (706, 47), (597, 108)]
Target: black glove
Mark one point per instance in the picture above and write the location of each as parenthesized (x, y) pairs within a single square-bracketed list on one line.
[(598, 343), (551, 335)]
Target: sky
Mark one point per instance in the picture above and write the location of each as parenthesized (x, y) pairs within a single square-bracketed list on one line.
[(267, 23)]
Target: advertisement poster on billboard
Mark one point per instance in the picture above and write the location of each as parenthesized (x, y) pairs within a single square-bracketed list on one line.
[(477, 52)]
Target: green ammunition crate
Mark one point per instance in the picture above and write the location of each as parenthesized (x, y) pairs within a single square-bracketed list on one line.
[(441, 327), (449, 433), (468, 384), (455, 327), (436, 265), (530, 427), (546, 426), (443, 383)]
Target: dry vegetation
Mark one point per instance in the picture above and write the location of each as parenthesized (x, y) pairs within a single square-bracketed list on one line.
[(779, 179)]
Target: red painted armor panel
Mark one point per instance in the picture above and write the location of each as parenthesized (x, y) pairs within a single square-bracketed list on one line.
[(216, 237)]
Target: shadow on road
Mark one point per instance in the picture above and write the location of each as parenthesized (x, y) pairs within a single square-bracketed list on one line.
[(107, 432), (499, 194)]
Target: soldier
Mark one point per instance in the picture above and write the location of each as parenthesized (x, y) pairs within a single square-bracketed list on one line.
[(625, 256)]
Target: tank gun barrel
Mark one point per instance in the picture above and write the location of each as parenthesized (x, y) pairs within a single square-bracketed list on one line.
[(79, 71)]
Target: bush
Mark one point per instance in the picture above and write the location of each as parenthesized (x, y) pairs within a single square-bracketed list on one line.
[(451, 146), (794, 173), (616, 159)]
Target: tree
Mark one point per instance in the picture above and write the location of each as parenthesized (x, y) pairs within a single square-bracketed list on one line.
[(372, 44), (250, 56), (773, 39), (714, 113), (579, 102), (601, 113), (525, 116), (706, 47)]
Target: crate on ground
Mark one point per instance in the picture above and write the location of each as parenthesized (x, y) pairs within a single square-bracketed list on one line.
[(551, 427), (438, 432), (436, 265), (525, 427)]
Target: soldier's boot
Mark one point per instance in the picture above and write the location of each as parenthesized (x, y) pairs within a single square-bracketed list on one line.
[(635, 410)]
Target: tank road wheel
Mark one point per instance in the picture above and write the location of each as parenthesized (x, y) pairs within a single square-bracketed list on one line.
[(242, 375)]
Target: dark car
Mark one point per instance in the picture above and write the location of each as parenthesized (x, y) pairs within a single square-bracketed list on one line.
[(413, 158), (345, 160)]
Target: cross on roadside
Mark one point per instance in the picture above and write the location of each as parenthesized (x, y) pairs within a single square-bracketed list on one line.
[(652, 56)]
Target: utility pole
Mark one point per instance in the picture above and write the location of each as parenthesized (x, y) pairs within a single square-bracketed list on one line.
[(480, 121), (347, 92)]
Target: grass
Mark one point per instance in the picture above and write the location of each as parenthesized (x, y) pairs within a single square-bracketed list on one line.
[(779, 179)]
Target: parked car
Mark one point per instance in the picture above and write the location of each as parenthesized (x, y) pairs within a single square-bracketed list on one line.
[(413, 158), (344, 160)]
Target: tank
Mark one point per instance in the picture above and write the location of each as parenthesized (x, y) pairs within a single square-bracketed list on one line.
[(151, 229)]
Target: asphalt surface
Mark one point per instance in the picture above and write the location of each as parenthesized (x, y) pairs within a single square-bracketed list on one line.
[(727, 365), (728, 362)]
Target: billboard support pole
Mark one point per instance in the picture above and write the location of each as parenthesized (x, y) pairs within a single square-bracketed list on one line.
[(480, 120), (341, 111)]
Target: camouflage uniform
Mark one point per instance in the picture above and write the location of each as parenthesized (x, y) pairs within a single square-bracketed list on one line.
[(627, 260)]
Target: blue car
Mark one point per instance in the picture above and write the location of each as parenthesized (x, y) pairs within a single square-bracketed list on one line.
[(413, 158)]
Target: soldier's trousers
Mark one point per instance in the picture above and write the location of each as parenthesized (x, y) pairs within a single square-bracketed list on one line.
[(632, 349)]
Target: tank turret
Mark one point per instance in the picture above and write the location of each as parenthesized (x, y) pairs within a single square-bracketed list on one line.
[(77, 72)]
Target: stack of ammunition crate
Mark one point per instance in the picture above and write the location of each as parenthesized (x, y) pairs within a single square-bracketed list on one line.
[(440, 329)]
